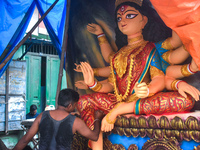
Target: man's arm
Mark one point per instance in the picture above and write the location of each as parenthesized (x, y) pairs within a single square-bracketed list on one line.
[(81, 127), (29, 135)]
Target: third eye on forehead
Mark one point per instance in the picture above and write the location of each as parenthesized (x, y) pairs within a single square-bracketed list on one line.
[(132, 11)]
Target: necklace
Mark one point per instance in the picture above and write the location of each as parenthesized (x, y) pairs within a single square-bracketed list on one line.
[(135, 39), (120, 61), (121, 97)]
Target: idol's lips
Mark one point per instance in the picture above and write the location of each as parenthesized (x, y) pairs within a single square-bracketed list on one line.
[(123, 25)]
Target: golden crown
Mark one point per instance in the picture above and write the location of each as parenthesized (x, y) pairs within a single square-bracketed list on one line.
[(118, 2)]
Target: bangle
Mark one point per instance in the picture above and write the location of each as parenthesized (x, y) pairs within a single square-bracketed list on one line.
[(147, 92), (92, 86), (190, 69), (102, 39), (167, 44), (99, 35), (179, 82), (97, 86), (166, 56), (185, 70), (175, 83), (96, 120)]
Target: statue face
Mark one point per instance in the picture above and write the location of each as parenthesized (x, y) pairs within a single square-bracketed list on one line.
[(130, 20)]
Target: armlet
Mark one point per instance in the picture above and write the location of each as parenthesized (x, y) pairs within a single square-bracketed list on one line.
[(155, 72), (167, 45), (166, 56)]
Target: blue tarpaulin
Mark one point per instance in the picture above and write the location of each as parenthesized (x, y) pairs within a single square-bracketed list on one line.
[(15, 16)]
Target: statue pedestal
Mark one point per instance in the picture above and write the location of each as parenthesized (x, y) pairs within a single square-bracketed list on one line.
[(168, 131)]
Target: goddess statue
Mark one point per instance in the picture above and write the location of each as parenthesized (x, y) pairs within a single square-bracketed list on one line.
[(137, 70)]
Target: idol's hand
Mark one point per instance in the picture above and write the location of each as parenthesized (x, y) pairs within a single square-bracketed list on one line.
[(184, 88), (88, 73), (193, 66), (94, 28), (141, 90), (81, 85), (108, 126), (78, 68)]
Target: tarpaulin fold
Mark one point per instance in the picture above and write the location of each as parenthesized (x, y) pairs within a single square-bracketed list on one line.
[(15, 16)]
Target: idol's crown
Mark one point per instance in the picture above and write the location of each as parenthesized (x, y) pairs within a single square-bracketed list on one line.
[(118, 2)]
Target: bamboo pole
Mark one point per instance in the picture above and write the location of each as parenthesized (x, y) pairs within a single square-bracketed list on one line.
[(27, 36), (64, 48)]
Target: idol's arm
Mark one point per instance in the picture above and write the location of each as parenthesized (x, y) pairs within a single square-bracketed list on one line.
[(182, 87), (180, 71), (94, 85), (175, 40), (176, 48), (105, 46), (99, 72), (178, 55), (157, 84), (102, 72)]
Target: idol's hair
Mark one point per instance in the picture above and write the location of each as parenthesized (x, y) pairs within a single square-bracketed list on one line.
[(154, 31)]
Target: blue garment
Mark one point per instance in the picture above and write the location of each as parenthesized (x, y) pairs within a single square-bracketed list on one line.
[(161, 51), (30, 116)]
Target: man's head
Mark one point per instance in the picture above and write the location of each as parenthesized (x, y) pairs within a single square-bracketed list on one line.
[(33, 109), (68, 98)]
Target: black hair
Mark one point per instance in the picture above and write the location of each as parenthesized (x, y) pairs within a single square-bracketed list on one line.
[(154, 31), (33, 108), (67, 96)]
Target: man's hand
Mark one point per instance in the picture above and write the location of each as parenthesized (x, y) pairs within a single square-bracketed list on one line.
[(99, 114)]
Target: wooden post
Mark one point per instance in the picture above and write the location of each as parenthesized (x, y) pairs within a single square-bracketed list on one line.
[(6, 100), (64, 48)]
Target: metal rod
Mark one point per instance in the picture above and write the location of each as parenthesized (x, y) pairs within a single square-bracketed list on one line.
[(27, 36), (25, 52), (6, 100), (64, 48)]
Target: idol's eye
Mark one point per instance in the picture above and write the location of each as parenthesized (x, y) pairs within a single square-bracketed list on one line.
[(119, 19), (131, 16)]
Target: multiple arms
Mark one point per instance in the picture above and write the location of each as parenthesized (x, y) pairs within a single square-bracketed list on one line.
[(158, 83), (173, 72)]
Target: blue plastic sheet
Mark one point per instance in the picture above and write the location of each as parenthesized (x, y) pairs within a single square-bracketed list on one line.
[(54, 21), (15, 16)]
